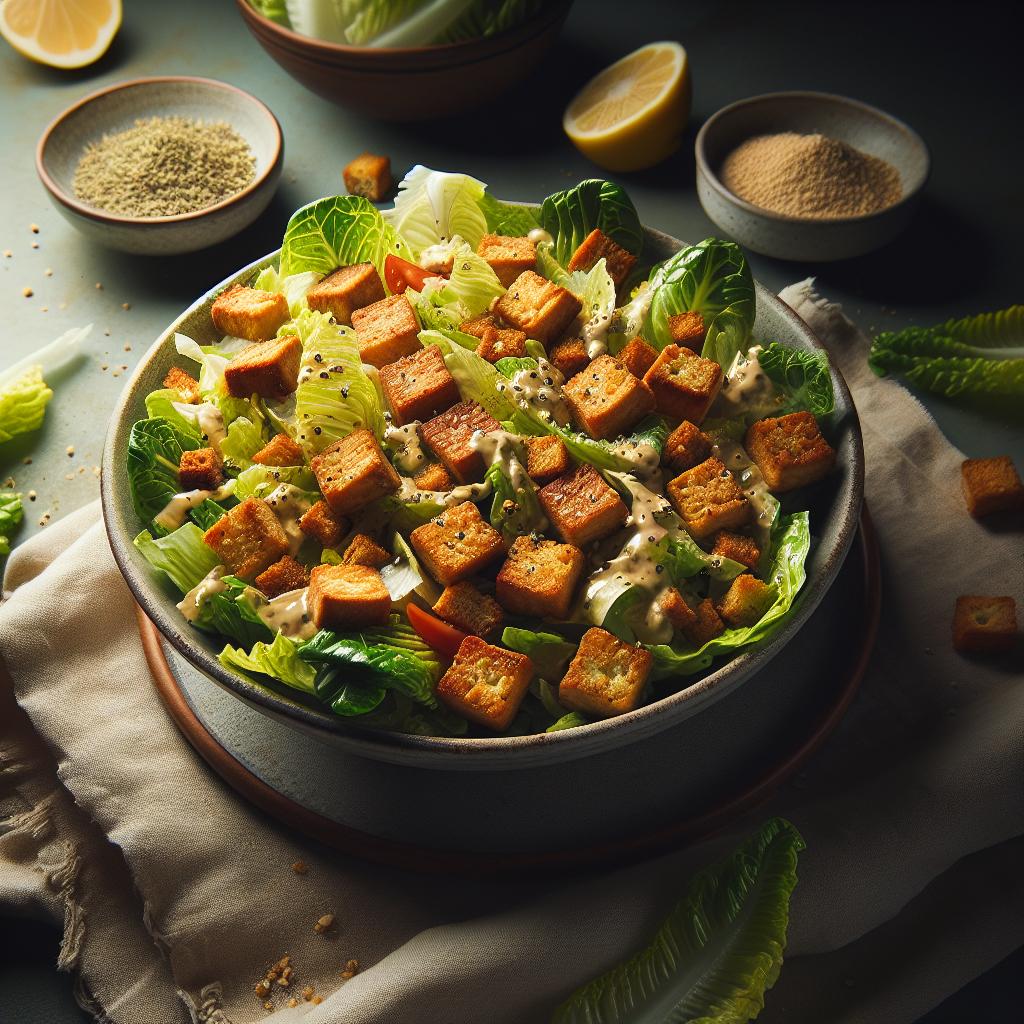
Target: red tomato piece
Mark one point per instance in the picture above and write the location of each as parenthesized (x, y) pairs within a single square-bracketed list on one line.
[(400, 274), (443, 638)]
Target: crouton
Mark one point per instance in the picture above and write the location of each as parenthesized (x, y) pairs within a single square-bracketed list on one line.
[(448, 437), (320, 523), (418, 386), (354, 471), (434, 478), (746, 600), (674, 607), (991, 486), (249, 313), (284, 575), (684, 384), (687, 446), (508, 256), (687, 329), (638, 357), (200, 470), (248, 538), (345, 290), (368, 176), (546, 458), (347, 596), (708, 498), (280, 450), (386, 330), (582, 507), (499, 343), (606, 677), (539, 577), (537, 306), (597, 245), (737, 547), (363, 550), (269, 369), (789, 451), (186, 386), (486, 684), (569, 356), (457, 544), (984, 625), (605, 399), (467, 609), (706, 626), (475, 326)]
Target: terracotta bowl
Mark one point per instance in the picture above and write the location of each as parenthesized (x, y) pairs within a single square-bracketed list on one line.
[(393, 83)]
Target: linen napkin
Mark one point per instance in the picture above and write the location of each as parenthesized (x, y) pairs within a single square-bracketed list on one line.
[(176, 896)]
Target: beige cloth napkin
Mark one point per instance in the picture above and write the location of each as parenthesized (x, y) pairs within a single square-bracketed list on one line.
[(176, 896)]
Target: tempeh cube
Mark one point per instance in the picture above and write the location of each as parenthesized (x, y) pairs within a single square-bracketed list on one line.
[(746, 601), (507, 256), (354, 471), (789, 451), (249, 313), (347, 596), (708, 498), (200, 470), (546, 458), (283, 576), (418, 386), (684, 384), (582, 507), (539, 577), (607, 677), (486, 684), (606, 399), (537, 306), (386, 330), (687, 446), (345, 290), (457, 544), (467, 609), (448, 437), (248, 538), (269, 369), (320, 523), (638, 357)]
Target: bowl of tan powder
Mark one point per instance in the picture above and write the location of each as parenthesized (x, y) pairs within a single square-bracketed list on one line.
[(809, 176), (161, 166)]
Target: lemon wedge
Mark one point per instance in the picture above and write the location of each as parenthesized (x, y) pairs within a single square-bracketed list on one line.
[(60, 33), (632, 115)]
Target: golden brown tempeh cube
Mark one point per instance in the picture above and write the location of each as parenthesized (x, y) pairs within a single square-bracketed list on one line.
[(269, 369), (476, 325), (369, 176), (186, 385), (746, 601), (597, 245), (284, 575), (508, 256), (467, 609), (687, 446), (249, 313), (486, 684), (992, 486), (708, 498), (345, 290), (539, 577), (320, 523), (606, 399), (449, 434), (346, 596), (684, 384), (248, 538), (386, 330), (418, 386), (434, 478), (789, 451), (638, 357), (364, 550), (582, 507), (546, 458), (200, 470), (280, 450), (354, 471), (569, 356), (707, 624), (984, 625), (737, 547), (499, 343), (537, 306), (457, 544), (687, 329), (606, 677), (676, 610)]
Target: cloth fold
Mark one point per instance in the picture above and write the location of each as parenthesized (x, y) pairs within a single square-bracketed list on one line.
[(176, 896)]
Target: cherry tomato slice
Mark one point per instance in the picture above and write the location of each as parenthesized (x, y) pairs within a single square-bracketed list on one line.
[(445, 639), (401, 274)]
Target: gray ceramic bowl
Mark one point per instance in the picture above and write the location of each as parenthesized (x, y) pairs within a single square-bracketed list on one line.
[(835, 510), (795, 238), (116, 108)]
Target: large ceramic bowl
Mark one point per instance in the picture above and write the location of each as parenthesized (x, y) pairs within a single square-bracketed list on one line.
[(835, 508)]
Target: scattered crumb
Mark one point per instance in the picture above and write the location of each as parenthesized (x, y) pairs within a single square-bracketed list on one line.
[(351, 969), (81, 470), (69, 476), (48, 272), (124, 366), (44, 309), (293, 1002), (262, 989), (96, 471), (35, 245), (127, 348), (126, 305), (268, 1006), (71, 451), (104, 366), (27, 460), (323, 924), (115, 373), (10, 482), (316, 1000), (300, 867), (106, 334), (32, 495), (8, 253), (27, 292), (307, 993), (34, 228), (45, 518)]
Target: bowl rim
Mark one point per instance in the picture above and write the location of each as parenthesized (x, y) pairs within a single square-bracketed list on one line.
[(472, 752), (94, 213), (515, 35), (716, 119)]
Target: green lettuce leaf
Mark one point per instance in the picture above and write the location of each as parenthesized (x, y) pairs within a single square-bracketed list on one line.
[(275, 10), (433, 207), (294, 287), (717, 953), (11, 514), (372, 17), (483, 18), (258, 480), (231, 611), (181, 555), (549, 652), (154, 452), (523, 513), (280, 660), (508, 218), (803, 377), (206, 513), (571, 215), (243, 440), (570, 721), (161, 405), (606, 455)]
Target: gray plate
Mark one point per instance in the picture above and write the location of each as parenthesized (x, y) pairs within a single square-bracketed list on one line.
[(834, 504)]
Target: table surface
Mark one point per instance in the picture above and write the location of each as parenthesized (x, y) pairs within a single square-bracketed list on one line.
[(951, 78)]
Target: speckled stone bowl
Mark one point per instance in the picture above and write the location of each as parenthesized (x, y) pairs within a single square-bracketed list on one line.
[(796, 238), (118, 107)]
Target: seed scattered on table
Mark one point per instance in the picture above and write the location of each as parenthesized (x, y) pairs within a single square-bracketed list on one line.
[(27, 292), (99, 286), (34, 228), (48, 272), (71, 451), (125, 305), (300, 867), (127, 348), (8, 253), (32, 495), (324, 923), (35, 245)]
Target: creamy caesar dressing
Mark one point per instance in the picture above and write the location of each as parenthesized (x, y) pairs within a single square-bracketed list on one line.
[(289, 504), (191, 605), (207, 417), (629, 319), (405, 442), (499, 447), (540, 237), (410, 493), (539, 391), (644, 462), (594, 334), (174, 513), (763, 505), (746, 386), (288, 613), (438, 258)]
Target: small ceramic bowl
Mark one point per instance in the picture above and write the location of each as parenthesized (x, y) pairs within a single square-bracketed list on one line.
[(411, 83), (117, 108), (795, 238)]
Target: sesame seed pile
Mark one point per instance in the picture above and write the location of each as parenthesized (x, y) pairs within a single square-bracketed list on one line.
[(811, 176), (164, 166)]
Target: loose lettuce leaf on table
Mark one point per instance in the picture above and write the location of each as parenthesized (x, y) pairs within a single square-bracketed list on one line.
[(181, 555), (154, 452), (433, 207), (569, 216), (11, 514)]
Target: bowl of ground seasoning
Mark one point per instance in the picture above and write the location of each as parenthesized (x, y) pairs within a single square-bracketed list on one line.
[(160, 166), (809, 176)]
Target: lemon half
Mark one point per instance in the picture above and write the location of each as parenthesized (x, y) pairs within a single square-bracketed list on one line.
[(60, 33)]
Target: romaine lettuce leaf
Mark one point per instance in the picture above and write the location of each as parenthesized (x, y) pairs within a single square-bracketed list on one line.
[(802, 376), (570, 721), (718, 951), (181, 555), (258, 480), (206, 513), (294, 287), (228, 607), (212, 364), (243, 440), (515, 510), (154, 452), (470, 288), (571, 215), (434, 206), (11, 514), (280, 660), (161, 405), (372, 17), (549, 652), (508, 218)]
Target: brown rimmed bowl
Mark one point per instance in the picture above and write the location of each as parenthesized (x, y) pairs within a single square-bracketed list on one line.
[(411, 83), (118, 107)]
